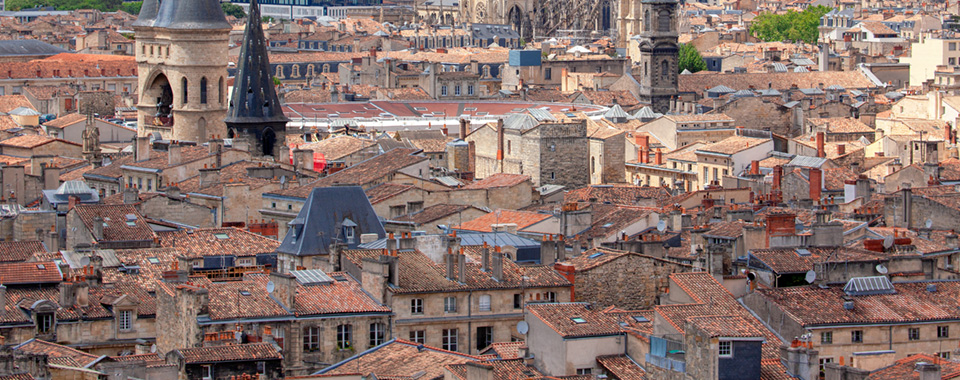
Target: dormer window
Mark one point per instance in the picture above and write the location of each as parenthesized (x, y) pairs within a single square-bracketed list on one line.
[(349, 231), (45, 322), (348, 234)]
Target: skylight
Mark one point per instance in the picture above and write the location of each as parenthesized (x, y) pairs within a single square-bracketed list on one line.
[(153, 260), (596, 255), (131, 224), (578, 320), (640, 318), (221, 236)]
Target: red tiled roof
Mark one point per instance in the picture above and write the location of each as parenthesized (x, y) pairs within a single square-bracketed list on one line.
[(202, 242), (498, 180), (115, 218), (906, 368), (18, 251), (385, 191), (56, 351), (432, 213), (338, 147), (561, 318), (788, 260), (622, 367), (32, 141), (229, 353), (401, 359), (505, 350), (616, 194), (522, 219), (362, 173), (29, 273), (514, 369)]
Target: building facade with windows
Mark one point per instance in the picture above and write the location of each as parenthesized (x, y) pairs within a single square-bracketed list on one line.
[(928, 53)]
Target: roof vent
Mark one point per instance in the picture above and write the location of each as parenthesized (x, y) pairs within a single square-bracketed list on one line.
[(848, 305), (932, 288)]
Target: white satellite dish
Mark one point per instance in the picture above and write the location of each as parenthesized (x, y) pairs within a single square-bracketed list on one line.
[(882, 269), (270, 286), (238, 336), (523, 327), (811, 276), (84, 261), (661, 226), (929, 223), (887, 241), (153, 348)]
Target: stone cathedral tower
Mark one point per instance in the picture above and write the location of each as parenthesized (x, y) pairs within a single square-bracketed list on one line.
[(255, 117), (658, 53), (182, 66)]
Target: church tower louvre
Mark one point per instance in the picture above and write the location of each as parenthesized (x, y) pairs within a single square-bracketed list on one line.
[(255, 117), (659, 53), (182, 54)]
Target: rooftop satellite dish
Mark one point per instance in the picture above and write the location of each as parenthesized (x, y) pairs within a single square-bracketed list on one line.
[(153, 348), (270, 286), (887, 241), (84, 261), (661, 226), (882, 269), (523, 327), (811, 276), (929, 223)]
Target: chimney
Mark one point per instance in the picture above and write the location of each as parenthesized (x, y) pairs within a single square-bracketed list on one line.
[(485, 258), (143, 148), (755, 167), (303, 159), (951, 241), (816, 183), (173, 154), (497, 264), (801, 362), (463, 129), (928, 371), (500, 141), (821, 151), (215, 145), (97, 228), (841, 149), (285, 289), (131, 195), (72, 201), (3, 296), (479, 371), (462, 267), (209, 176), (659, 157), (777, 176), (450, 260), (173, 191)]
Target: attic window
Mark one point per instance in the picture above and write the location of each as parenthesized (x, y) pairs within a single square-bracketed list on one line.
[(578, 320), (131, 224), (41, 266), (340, 278), (640, 318), (421, 109), (470, 109), (244, 293), (153, 260), (221, 236)]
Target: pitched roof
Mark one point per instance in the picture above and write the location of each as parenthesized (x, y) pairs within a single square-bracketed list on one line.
[(780, 81), (514, 369), (386, 191), (906, 368), (121, 222), (57, 354), (622, 367), (505, 350), (522, 219), (29, 273), (337, 147), (400, 359), (432, 213), (733, 144), (18, 251), (498, 180), (217, 241), (801, 260), (574, 319), (32, 141), (229, 353), (319, 222), (616, 194), (363, 173), (912, 302)]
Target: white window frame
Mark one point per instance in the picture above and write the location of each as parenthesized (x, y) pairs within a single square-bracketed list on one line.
[(450, 304), (485, 302), (125, 320), (725, 349), (450, 340), (416, 306)]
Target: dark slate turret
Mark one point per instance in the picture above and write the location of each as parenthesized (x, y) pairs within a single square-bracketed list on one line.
[(255, 112), (191, 14), (148, 13)]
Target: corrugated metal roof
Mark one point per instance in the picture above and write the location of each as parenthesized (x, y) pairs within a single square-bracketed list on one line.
[(541, 114), (865, 286), (807, 161)]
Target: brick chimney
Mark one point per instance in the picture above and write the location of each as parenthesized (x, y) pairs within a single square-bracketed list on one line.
[(463, 129), (755, 167), (816, 183), (841, 149), (821, 151), (777, 176), (659, 157)]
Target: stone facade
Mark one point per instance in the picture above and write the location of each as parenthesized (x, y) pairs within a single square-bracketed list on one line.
[(631, 281), (658, 54)]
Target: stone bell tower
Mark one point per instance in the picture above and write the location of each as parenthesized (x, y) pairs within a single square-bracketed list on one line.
[(182, 59), (659, 51), (255, 118)]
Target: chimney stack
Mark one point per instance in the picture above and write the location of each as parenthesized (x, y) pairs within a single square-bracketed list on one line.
[(143, 148), (841, 149), (461, 267), (173, 153), (497, 264), (659, 157), (500, 142), (755, 167), (131, 195), (821, 150), (816, 183), (97, 228), (463, 129), (777, 176), (450, 261)]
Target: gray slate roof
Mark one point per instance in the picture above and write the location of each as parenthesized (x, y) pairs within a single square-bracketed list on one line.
[(28, 47), (183, 14), (320, 221)]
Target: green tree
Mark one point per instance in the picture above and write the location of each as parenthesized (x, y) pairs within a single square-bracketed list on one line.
[(690, 59), (792, 25), (132, 7), (233, 10)]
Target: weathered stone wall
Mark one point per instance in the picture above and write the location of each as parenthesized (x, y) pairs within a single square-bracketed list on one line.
[(631, 282), (180, 211), (564, 154), (761, 114)]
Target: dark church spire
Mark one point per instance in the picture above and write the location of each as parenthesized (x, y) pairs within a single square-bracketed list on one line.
[(254, 95)]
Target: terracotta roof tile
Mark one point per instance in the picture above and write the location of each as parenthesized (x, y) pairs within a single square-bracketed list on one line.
[(400, 359), (731, 326), (906, 368), (841, 125), (10, 102), (574, 320), (498, 180), (18, 251), (230, 353), (522, 219), (733, 144), (386, 191), (432, 213), (56, 351), (117, 226), (778, 81), (622, 367), (788, 260), (362, 173), (31, 141), (616, 194), (513, 369), (337, 147), (202, 242), (29, 273), (505, 350)]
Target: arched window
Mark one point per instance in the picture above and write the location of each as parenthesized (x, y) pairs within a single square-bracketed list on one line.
[(203, 90), (664, 69), (486, 71), (310, 71), (663, 24), (222, 91), (326, 68), (184, 84), (646, 21), (279, 73), (296, 71)]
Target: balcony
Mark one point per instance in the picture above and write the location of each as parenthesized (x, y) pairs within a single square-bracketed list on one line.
[(667, 354)]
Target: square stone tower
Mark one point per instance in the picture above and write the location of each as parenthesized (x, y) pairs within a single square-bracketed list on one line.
[(659, 53), (182, 59)]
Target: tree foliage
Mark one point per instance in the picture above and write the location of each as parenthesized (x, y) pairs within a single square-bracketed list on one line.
[(132, 7), (233, 10), (690, 59), (793, 25), (67, 5)]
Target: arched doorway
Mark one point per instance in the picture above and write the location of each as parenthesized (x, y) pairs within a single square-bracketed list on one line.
[(267, 142), (161, 94)]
